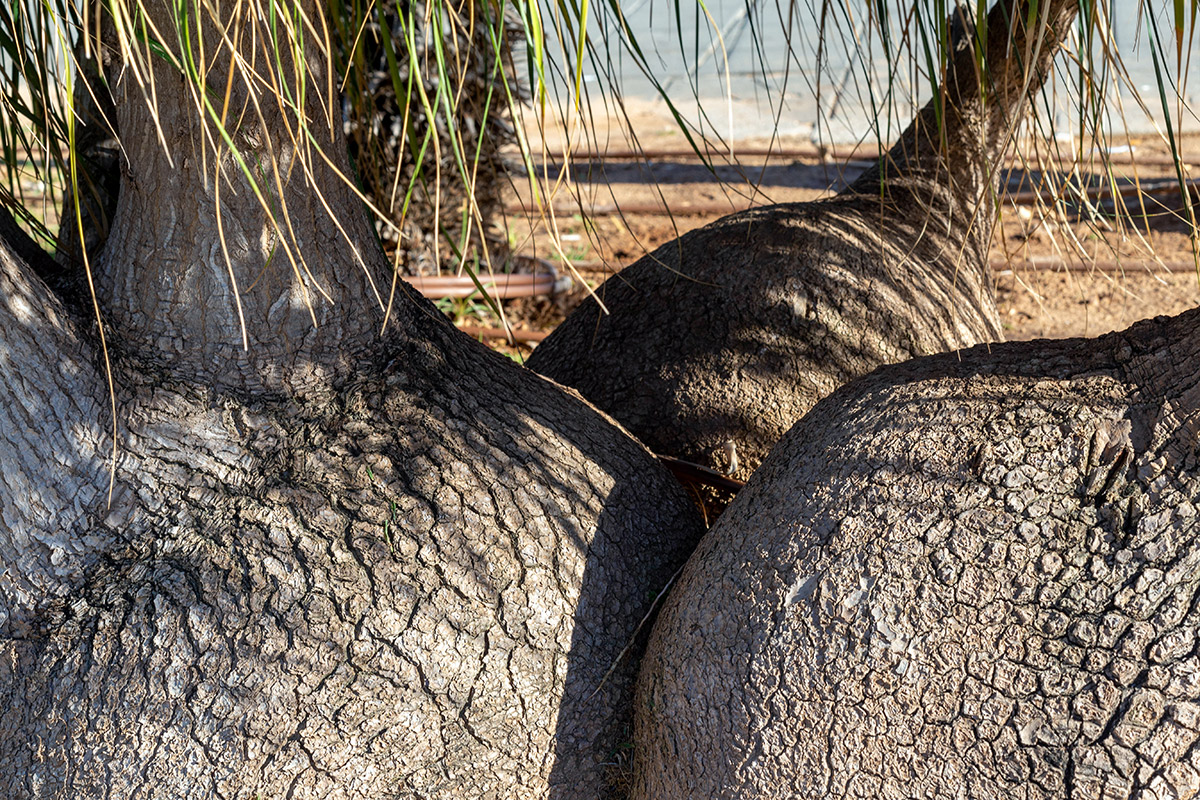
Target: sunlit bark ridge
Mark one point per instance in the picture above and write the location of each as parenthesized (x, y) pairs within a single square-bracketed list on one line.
[(51, 447)]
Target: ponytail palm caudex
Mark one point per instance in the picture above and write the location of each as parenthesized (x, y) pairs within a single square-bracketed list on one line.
[(340, 551), (968, 575), (272, 527), (725, 337)]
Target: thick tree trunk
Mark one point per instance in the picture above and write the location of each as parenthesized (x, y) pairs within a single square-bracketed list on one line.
[(305, 285), (731, 333), (339, 565), (971, 577), (52, 446)]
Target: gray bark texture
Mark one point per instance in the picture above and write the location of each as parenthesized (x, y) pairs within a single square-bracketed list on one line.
[(343, 564), (734, 331), (961, 577)]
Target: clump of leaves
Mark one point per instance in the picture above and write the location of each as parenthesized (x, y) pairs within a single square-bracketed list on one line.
[(425, 116)]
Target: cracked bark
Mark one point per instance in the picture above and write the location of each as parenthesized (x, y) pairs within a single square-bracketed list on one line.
[(734, 331), (983, 584), (343, 564)]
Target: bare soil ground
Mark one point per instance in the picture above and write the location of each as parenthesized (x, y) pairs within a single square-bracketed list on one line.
[(1060, 270), (1057, 274)]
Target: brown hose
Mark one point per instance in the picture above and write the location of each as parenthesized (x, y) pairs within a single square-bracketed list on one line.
[(499, 287), (480, 332), (695, 473)]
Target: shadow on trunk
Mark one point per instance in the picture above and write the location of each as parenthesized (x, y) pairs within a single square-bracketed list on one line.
[(727, 336), (339, 560)]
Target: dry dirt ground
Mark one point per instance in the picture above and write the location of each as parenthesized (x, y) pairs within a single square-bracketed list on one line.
[(1062, 269)]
